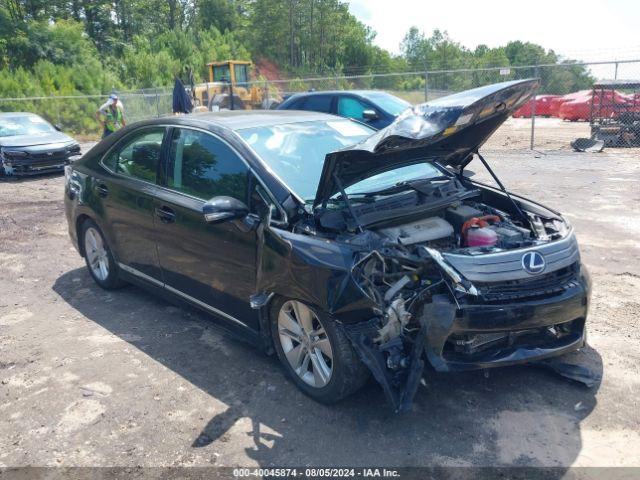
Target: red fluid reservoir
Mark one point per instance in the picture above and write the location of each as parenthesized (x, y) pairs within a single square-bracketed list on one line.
[(481, 237)]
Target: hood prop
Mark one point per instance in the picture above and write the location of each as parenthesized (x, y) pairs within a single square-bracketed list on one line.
[(521, 214), (347, 201)]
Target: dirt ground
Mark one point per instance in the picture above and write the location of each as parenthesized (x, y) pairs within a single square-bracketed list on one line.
[(96, 378), (550, 134)]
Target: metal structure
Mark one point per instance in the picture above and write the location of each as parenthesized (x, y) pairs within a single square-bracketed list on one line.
[(615, 113)]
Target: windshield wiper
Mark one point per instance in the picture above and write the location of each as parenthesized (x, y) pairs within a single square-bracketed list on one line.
[(348, 203), (400, 187), (340, 199)]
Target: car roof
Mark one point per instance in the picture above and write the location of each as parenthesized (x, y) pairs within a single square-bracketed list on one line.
[(240, 119), (362, 93)]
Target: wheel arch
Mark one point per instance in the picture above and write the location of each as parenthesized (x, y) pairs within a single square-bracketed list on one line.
[(267, 314), (80, 219)]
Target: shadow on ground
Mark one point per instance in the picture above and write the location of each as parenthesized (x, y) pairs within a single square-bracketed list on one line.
[(511, 416)]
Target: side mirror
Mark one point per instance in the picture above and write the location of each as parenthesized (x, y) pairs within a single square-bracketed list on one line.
[(221, 209), (57, 127), (369, 115), (468, 173)]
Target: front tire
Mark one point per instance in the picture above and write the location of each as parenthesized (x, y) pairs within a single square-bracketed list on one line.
[(315, 353), (98, 257)]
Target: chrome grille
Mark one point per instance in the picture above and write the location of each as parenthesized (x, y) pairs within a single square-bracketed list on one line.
[(545, 284), (505, 266)]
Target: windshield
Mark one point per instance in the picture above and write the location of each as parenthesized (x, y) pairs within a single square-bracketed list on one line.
[(23, 125), (221, 73), (296, 151), (389, 103), (422, 171)]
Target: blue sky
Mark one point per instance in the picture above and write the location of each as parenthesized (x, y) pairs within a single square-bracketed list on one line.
[(586, 29)]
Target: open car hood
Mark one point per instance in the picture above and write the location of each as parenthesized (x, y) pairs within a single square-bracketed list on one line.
[(447, 130)]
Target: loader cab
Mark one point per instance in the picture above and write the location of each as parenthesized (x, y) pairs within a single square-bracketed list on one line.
[(234, 72)]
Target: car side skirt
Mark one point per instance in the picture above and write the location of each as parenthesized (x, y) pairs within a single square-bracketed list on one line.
[(134, 276)]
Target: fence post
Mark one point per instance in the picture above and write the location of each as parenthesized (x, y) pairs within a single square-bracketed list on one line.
[(615, 73), (266, 95), (533, 111), (157, 104), (57, 104), (426, 86)]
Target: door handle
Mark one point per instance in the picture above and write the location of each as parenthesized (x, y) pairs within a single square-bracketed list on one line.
[(102, 190), (166, 214)]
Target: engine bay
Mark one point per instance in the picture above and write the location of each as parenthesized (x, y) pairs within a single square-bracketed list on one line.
[(462, 226), (400, 239)]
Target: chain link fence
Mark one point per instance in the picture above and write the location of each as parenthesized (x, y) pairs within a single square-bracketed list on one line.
[(576, 100), (75, 114)]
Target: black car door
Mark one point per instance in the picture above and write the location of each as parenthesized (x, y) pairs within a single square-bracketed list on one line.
[(210, 264), (125, 200)]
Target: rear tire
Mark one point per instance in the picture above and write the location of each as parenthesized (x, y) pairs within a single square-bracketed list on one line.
[(324, 366), (98, 257)]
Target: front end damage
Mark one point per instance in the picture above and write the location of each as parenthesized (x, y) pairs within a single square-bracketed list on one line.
[(405, 306), (426, 310), (437, 269)]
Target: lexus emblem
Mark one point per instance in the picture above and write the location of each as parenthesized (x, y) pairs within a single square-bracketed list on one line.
[(533, 263)]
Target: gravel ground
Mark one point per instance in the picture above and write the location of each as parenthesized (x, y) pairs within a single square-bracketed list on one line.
[(96, 378)]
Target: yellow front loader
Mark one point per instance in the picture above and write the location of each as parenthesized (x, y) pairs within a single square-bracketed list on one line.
[(229, 88)]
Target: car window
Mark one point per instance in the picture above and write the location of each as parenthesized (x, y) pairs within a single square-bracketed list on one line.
[(23, 125), (139, 155), (351, 107), (295, 152), (221, 73), (389, 103), (204, 166), (262, 203), (240, 72), (317, 103)]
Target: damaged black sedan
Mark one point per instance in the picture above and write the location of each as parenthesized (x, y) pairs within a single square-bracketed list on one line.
[(346, 251)]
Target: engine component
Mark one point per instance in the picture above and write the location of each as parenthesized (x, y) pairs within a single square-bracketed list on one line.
[(433, 228), (397, 318), (481, 237), (396, 287), (476, 234), (509, 237), (538, 226), (396, 358), (457, 216)]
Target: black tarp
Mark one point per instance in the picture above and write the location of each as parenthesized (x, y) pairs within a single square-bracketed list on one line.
[(182, 102)]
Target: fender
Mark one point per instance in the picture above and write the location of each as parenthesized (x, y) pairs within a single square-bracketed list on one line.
[(311, 270)]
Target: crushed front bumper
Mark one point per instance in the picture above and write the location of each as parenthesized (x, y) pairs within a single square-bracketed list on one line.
[(474, 335), (33, 163), (20, 168), (467, 333)]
